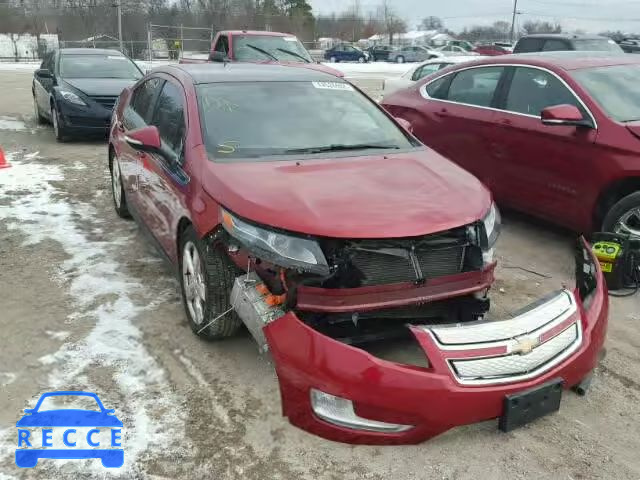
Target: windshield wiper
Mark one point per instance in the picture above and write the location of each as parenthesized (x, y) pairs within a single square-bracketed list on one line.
[(341, 147), (289, 52), (261, 50)]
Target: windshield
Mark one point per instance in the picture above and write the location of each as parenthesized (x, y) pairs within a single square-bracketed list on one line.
[(597, 45), (615, 89), (261, 119), (250, 48), (98, 66)]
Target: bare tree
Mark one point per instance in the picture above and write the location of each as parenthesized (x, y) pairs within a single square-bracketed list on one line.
[(392, 22)]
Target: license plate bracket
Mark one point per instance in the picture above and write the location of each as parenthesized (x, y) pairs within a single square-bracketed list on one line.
[(524, 407)]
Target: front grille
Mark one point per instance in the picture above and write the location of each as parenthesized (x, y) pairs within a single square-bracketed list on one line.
[(514, 365), (381, 268), (106, 102)]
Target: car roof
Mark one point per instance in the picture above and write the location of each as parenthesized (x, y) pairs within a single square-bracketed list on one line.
[(569, 36), (257, 33), (90, 51), (218, 72), (566, 60)]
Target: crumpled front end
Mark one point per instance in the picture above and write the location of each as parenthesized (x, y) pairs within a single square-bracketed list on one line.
[(344, 393)]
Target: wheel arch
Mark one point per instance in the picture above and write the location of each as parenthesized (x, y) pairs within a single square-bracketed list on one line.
[(183, 224), (611, 195)]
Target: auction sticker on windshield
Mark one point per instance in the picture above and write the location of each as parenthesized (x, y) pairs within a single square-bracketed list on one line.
[(56, 428), (333, 86)]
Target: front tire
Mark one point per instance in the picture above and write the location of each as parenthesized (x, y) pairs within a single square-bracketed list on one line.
[(117, 189), (624, 216), (361, 59), (400, 59), (58, 125), (206, 280), (333, 60)]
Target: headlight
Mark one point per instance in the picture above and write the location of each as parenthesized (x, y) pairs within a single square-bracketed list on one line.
[(284, 250), (491, 228), (72, 98)]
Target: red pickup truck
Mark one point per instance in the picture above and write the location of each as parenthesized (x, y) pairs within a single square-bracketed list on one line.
[(260, 47)]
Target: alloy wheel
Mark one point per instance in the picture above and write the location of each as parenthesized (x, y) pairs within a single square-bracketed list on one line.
[(629, 223), (193, 281), (54, 119)]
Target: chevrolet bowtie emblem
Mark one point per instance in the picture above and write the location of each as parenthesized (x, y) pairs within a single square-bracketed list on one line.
[(526, 345)]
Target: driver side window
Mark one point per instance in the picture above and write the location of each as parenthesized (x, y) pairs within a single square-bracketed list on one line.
[(169, 117)]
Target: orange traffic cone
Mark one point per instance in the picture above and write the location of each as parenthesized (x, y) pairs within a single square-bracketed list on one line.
[(3, 160)]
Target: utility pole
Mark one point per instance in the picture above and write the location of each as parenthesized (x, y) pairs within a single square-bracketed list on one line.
[(513, 20), (119, 5)]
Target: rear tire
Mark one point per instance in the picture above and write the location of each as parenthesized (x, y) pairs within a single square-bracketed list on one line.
[(333, 60), (624, 216), (362, 60), (206, 280), (400, 59)]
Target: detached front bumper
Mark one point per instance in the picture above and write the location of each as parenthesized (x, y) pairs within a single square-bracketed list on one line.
[(523, 352)]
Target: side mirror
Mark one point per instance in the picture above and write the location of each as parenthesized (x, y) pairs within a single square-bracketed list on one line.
[(404, 124), (218, 57), (564, 115), (43, 73), (146, 139)]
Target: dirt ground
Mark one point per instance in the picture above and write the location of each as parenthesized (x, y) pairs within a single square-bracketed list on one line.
[(86, 304)]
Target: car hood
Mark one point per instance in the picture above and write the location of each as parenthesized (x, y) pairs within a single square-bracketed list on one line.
[(69, 418), (381, 196), (107, 87)]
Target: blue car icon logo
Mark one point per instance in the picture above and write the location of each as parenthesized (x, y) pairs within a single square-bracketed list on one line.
[(69, 433)]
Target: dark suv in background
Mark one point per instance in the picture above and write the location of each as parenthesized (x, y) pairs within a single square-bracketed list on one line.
[(557, 42)]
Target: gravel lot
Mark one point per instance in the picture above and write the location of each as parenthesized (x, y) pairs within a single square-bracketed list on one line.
[(87, 305)]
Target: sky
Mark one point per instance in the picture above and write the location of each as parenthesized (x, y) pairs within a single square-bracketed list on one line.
[(589, 15)]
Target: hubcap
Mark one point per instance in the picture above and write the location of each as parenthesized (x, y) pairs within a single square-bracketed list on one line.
[(116, 183), (629, 223), (193, 281)]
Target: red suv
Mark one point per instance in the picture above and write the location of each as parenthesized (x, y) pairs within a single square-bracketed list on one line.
[(555, 134), (289, 201)]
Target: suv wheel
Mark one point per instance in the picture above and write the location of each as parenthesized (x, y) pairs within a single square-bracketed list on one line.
[(400, 59), (206, 280), (624, 216)]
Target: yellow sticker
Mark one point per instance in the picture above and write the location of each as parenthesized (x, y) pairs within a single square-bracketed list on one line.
[(606, 267)]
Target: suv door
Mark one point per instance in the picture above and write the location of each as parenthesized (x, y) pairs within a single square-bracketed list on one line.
[(137, 114), (162, 202), (460, 116), (540, 168)]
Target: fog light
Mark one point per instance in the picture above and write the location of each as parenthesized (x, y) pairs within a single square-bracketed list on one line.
[(339, 411), (488, 256)]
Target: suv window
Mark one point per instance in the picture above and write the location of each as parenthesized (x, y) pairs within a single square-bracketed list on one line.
[(533, 90), (525, 45), (425, 70), (169, 116), (141, 103), (553, 45), (222, 45), (475, 86)]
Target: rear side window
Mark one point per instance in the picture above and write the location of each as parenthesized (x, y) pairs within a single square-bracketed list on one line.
[(143, 96), (475, 86), (222, 45), (169, 116), (438, 88), (525, 45), (533, 90), (553, 45)]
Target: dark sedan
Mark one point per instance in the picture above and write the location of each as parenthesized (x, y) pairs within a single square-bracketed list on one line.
[(75, 89)]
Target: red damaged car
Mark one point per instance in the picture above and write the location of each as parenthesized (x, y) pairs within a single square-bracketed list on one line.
[(290, 202)]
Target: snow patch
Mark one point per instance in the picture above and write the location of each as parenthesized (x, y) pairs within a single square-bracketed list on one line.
[(6, 378), (104, 299), (11, 123)]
